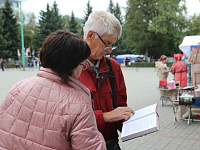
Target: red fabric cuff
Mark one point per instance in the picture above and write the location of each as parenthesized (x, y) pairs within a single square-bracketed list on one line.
[(99, 119)]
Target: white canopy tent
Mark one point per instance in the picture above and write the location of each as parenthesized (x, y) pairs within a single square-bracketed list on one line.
[(188, 42)]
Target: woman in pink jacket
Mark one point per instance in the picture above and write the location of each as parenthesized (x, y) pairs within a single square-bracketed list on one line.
[(52, 110)]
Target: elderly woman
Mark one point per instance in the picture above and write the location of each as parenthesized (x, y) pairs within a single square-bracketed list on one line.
[(179, 69), (162, 68), (52, 110)]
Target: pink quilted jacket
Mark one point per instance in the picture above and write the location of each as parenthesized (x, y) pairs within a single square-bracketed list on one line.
[(43, 113)]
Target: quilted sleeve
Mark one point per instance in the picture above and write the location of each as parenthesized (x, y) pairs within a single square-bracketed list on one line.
[(84, 133)]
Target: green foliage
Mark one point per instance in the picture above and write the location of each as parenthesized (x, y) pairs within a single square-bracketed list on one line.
[(9, 65), (65, 22), (87, 12), (147, 64), (155, 27), (50, 21), (193, 25), (2, 41), (111, 7), (116, 11), (10, 32), (73, 24)]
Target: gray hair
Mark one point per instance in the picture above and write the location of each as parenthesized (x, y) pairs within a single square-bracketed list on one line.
[(103, 23)]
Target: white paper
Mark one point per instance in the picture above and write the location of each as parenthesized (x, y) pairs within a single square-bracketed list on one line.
[(143, 122)]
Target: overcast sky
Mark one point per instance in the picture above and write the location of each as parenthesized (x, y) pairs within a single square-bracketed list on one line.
[(78, 6), (67, 6)]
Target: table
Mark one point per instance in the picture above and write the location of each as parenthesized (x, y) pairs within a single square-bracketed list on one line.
[(175, 108)]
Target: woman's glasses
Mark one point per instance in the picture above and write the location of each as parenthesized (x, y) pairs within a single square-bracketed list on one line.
[(85, 66), (107, 47)]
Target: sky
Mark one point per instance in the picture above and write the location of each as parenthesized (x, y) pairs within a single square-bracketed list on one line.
[(67, 6), (79, 6)]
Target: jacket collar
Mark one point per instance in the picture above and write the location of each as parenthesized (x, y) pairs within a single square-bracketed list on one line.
[(74, 83)]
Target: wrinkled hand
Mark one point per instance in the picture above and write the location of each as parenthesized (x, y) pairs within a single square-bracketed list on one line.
[(120, 113)]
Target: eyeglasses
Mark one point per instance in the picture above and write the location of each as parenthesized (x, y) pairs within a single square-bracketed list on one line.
[(85, 66), (107, 47)]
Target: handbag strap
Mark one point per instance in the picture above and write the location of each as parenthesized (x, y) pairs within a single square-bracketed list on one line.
[(112, 84)]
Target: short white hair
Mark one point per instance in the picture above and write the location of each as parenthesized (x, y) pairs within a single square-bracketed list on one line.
[(103, 23)]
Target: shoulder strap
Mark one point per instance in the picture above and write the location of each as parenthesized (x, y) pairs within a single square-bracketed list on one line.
[(112, 84)]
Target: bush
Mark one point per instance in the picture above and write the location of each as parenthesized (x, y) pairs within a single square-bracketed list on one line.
[(10, 65), (147, 64)]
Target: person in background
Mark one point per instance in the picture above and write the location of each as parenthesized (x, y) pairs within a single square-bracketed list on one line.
[(101, 31), (17, 64), (3, 64), (184, 59), (162, 69), (36, 62), (52, 110), (179, 70)]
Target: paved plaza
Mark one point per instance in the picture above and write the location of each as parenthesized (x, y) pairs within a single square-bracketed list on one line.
[(141, 89)]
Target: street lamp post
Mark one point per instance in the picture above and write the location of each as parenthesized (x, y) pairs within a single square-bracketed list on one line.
[(22, 35)]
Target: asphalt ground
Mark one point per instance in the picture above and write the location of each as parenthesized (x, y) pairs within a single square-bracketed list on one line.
[(141, 86)]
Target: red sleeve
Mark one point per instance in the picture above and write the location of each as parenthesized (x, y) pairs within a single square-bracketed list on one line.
[(99, 119), (121, 90), (121, 95)]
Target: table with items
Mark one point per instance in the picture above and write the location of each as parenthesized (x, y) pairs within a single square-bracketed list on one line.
[(188, 96)]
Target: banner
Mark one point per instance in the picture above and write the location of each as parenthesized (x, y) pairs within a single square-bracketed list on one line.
[(18, 53)]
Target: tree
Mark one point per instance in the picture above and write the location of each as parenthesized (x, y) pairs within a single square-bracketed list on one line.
[(10, 32), (29, 20), (111, 7), (2, 41), (117, 13), (154, 27), (44, 28), (50, 21), (73, 24), (170, 23), (56, 18), (193, 25), (65, 21), (87, 12)]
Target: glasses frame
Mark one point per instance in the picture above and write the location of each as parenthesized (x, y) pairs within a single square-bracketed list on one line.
[(107, 47), (85, 66)]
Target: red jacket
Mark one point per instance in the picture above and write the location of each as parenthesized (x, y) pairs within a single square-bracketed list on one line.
[(102, 95)]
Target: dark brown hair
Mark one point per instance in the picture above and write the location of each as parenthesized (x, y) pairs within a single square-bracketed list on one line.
[(62, 52)]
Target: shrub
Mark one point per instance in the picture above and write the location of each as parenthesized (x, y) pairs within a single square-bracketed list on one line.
[(147, 64)]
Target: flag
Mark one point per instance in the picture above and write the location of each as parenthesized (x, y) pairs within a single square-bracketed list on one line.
[(33, 52), (27, 52), (29, 49), (18, 53)]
